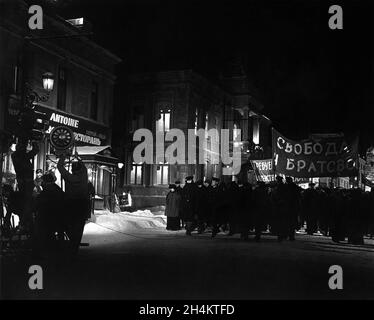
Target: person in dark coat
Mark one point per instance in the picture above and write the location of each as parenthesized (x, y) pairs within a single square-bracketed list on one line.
[(261, 209), (356, 218), (76, 198), (189, 204), (215, 200), (310, 208), (339, 207), (323, 211), (234, 206), (173, 208), (292, 193), (202, 206), (279, 197), (49, 214), (244, 209), (209, 202), (178, 189)]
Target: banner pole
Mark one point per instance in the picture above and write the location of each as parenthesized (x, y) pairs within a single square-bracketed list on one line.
[(272, 151)]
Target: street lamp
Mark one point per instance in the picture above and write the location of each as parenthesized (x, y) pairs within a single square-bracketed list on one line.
[(48, 81), (33, 97), (120, 165)]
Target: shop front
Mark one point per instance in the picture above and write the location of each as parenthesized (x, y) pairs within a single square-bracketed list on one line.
[(92, 143)]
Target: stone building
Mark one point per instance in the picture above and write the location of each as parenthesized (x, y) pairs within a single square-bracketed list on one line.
[(82, 97), (185, 100)]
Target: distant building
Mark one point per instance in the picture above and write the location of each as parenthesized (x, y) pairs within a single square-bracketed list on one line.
[(185, 100), (82, 97), (367, 175)]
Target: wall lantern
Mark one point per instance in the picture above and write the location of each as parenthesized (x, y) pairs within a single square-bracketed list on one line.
[(48, 81), (120, 165)]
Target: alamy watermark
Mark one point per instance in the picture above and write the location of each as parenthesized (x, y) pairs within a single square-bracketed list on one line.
[(216, 151)]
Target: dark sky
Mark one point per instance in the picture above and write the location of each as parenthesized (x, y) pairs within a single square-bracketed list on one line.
[(310, 78)]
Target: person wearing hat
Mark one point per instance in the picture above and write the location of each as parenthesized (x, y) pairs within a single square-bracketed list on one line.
[(173, 208), (178, 186), (202, 206), (178, 189), (189, 204), (218, 202)]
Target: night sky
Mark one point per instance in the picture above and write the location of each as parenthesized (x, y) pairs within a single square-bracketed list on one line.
[(311, 79)]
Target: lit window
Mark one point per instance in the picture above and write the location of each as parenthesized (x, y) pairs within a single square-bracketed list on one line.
[(163, 122), (236, 132), (256, 131), (196, 119), (162, 176), (136, 175)]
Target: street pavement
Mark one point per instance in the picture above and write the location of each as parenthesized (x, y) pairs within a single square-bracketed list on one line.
[(152, 263)]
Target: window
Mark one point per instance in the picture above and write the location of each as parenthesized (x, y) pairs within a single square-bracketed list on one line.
[(61, 89), (94, 100), (236, 132), (256, 131), (137, 121), (163, 122), (136, 175), (162, 176), (196, 124)]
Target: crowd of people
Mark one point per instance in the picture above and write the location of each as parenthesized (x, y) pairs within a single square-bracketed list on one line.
[(45, 211), (280, 208)]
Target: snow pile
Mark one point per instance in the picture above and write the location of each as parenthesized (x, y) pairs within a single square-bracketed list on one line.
[(139, 213), (126, 222)]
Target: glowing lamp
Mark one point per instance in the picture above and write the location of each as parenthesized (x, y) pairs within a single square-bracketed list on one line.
[(48, 81)]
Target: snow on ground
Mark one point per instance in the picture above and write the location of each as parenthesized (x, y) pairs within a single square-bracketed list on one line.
[(107, 222)]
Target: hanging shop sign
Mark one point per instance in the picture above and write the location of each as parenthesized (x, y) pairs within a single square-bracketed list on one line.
[(85, 132), (322, 156)]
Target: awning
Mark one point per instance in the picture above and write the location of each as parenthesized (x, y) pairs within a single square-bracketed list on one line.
[(97, 154), (86, 150)]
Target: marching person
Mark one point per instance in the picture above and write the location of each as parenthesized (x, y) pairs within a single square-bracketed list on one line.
[(217, 205), (292, 207), (310, 208), (189, 201), (244, 209), (77, 199), (202, 206), (279, 197), (261, 209), (178, 189), (173, 208)]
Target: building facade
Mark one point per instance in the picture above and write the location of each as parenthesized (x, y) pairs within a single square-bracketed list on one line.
[(185, 100), (82, 97)]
